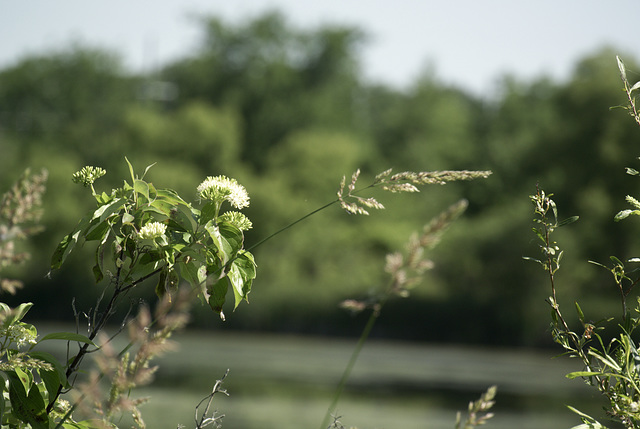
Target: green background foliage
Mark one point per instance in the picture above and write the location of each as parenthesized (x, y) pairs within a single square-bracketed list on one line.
[(287, 113)]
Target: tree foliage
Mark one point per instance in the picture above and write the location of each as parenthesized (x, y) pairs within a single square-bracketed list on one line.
[(286, 111)]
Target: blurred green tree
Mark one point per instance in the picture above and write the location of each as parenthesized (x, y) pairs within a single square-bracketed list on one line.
[(279, 79), (287, 112)]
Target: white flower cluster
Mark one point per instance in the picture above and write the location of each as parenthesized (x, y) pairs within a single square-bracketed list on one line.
[(88, 175), (152, 230), (19, 334), (237, 219), (222, 188)]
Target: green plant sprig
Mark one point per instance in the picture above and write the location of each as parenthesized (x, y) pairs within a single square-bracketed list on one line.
[(154, 232), (611, 367), (629, 90)]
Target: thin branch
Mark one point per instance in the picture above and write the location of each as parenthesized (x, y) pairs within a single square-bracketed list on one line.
[(204, 420)]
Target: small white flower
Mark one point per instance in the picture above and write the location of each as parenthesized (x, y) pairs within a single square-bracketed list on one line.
[(222, 188), (152, 230)]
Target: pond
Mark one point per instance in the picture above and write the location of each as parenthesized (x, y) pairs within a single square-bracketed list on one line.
[(283, 382)]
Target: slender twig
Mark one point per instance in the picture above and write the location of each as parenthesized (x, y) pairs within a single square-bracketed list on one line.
[(97, 327), (270, 236), (204, 420)]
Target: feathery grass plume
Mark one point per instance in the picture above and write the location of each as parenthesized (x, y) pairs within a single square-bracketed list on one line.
[(407, 269), (407, 181), (478, 410), (354, 207), (20, 212), (406, 272)]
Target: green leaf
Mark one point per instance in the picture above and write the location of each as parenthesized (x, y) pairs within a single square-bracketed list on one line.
[(167, 282), (133, 176), (632, 171), (616, 261), (540, 235), (600, 265), (568, 221), (103, 198), (30, 408), (634, 87), (98, 274), (227, 239), (52, 379), (217, 295), (105, 211), (208, 212), (161, 206), (68, 336), (64, 249), (577, 374), (141, 187), (580, 313), (233, 236), (98, 271), (127, 218), (98, 231), (18, 313), (171, 197), (3, 388), (623, 214), (147, 169), (181, 215), (554, 209), (161, 286), (527, 258), (606, 359), (152, 256), (592, 423), (192, 273), (241, 275)]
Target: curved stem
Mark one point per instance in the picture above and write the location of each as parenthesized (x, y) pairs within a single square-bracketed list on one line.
[(347, 370), (269, 237)]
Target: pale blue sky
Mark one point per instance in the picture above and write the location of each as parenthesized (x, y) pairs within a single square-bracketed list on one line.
[(470, 43)]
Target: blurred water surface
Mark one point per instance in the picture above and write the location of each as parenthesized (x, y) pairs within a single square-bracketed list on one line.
[(281, 381)]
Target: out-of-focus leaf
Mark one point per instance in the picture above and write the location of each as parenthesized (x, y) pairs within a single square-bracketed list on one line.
[(68, 336), (30, 408)]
